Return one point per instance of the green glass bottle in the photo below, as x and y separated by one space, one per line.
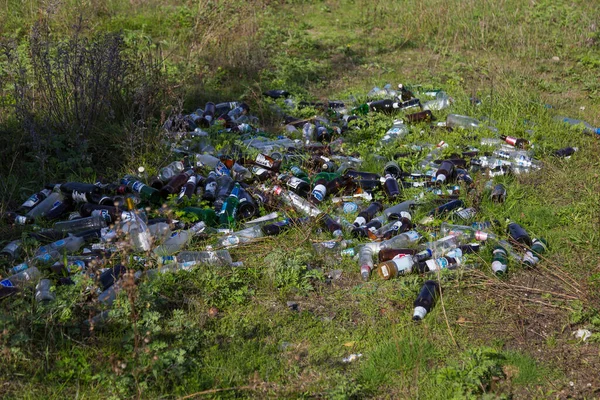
229 209
207 215
147 193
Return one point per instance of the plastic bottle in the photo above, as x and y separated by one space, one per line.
587 128
216 258
11 250
53 200
243 236
465 232
22 279
69 244
441 101
396 132
178 240
426 300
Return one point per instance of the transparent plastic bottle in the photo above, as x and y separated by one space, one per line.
396 132
441 101
69 244
465 232
54 199
587 128
216 258
22 279
243 236
179 240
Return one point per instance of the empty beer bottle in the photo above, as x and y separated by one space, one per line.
229 209
188 189
368 213
392 168
224 187
178 240
421 116
247 207
175 183
207 215
210 188
532 256
518 234
426 300
395 267
517 142
139 235
207 116
565 152
390 186
499 260
445 172
319 191
82 192
332 226
146 192
498 194
18 216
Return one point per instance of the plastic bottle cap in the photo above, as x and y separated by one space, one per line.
419 313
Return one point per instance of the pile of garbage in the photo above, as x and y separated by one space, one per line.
264 185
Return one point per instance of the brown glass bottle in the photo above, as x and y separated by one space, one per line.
175 183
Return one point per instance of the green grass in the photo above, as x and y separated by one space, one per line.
486 339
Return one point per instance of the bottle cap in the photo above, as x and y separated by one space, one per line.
419 313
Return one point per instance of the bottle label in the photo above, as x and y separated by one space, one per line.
319 192
18 268
405 215
137 186
360 221
294 182
259 171
6 283
328 245
59 243
11 247
103 214
20 220
530 259
431 265
211 187
466 213
232 240
385 271
442 262
221 169
481 236
413 236
511 140
79 197
31 201
261 159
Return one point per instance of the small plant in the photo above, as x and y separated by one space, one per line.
473 374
